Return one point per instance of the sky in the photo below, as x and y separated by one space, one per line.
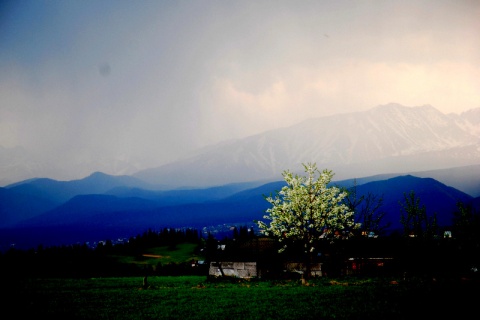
126 85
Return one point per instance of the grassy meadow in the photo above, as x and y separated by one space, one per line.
183 252
200 297
48 284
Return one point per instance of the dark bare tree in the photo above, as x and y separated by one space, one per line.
414 218
368 211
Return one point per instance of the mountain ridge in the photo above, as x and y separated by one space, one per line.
30 198
222 183
389 137
93 216
403 130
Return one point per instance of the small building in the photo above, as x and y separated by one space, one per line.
257 258
244 270
252 269
368 265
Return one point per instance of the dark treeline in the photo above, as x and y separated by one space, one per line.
81 260
434 258
420 249
150 238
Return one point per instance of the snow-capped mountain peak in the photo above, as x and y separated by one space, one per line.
387 138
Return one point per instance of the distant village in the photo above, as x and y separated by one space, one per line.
220 231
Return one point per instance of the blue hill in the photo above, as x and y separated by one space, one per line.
97 216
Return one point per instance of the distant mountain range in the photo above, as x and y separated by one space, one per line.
387 150
121 208
30 198
385 139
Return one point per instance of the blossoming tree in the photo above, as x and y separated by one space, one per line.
307 210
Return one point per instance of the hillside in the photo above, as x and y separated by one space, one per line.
95 217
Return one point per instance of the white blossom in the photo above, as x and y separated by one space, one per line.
307 209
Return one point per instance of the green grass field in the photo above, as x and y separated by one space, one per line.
182 252
197 297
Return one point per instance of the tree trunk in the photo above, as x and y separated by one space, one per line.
308 267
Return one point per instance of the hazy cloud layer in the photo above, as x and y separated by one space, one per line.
145 82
